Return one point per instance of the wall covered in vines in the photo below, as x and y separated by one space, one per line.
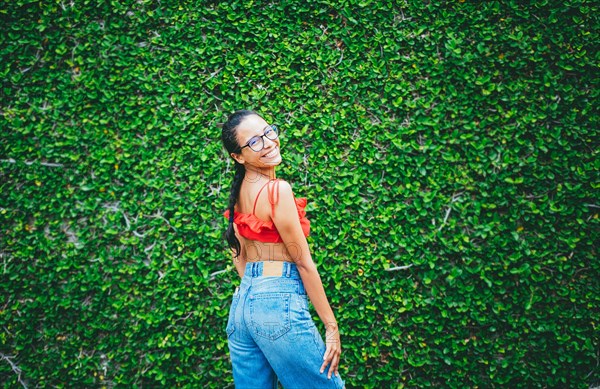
449 151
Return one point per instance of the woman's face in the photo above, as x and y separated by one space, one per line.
255 126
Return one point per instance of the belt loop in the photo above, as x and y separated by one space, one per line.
254 270
288 268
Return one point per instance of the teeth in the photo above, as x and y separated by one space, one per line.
271 154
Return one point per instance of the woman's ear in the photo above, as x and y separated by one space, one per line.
238 158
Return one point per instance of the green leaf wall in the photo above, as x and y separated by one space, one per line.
449 151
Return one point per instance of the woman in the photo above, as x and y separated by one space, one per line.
270 332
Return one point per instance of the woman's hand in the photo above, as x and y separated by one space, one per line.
333 350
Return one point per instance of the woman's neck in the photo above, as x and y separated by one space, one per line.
257 173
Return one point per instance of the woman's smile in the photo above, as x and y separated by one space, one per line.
271 154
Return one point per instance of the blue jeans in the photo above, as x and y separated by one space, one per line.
271 334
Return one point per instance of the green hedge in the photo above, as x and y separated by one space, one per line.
449 151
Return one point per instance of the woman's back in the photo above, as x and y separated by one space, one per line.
254 224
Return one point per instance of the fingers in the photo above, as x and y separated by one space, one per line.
333 369
331 358
325 362
332 351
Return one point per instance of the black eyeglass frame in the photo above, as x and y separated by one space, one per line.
270 126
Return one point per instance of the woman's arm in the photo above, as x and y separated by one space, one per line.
288 225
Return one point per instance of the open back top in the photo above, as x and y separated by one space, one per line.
251 227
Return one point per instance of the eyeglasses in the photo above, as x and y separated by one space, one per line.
257 143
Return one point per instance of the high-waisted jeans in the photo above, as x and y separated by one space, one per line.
271 334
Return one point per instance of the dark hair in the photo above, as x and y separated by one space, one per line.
230 141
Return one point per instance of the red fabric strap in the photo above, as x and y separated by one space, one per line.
271 194
274 197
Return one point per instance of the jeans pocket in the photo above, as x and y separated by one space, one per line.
270 314
231 320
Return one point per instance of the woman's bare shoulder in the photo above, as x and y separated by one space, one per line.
284 187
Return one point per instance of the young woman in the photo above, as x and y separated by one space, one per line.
270 332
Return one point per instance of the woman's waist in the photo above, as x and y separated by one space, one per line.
273 276
271 268
268 259
257 251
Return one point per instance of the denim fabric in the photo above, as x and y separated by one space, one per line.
271 334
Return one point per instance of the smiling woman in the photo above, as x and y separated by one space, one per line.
270 332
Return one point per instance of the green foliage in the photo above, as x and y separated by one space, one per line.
457 138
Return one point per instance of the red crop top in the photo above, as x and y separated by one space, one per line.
251 227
